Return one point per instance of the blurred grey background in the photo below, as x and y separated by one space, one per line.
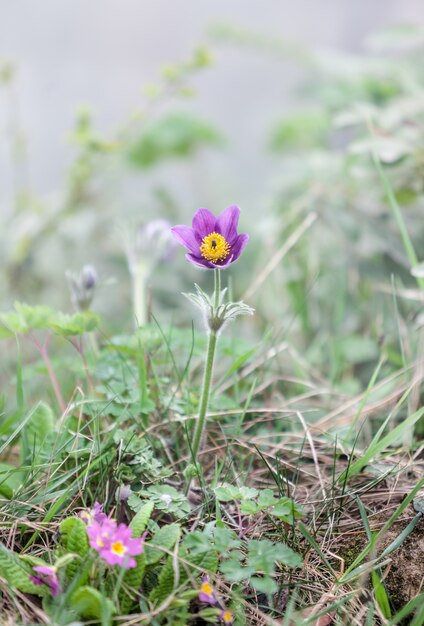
100 53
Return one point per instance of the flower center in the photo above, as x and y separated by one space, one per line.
214 247
118 548
207 589
227 617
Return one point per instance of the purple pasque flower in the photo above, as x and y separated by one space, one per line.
93 515
226 616
46 575
212 241
114 543
206 592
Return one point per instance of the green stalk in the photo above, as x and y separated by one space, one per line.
217 277
139 295
391 197
207 378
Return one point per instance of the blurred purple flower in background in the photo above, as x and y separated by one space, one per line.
227 617
212 242
46 575
82 287
152 244
206 592
93 515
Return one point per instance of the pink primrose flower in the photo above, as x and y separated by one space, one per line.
46 575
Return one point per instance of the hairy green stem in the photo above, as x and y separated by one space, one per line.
217 276
139 296
207 378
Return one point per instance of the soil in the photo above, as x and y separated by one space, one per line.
404 575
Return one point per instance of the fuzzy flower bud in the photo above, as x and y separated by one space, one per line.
82 287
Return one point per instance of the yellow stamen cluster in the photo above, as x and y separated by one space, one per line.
227 617
206 588
215 247
118 548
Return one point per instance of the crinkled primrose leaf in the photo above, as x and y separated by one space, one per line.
88 602
17 573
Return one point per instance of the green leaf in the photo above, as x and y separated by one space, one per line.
358 349
302 130
234 572
285 555
17 573
165 498
11 479
226 493
75 539
174 136
139 522
266 498
166 538
380 594
222 540
88 602
65 529
37 432
77 324
264 585
11 324
132 579
378 444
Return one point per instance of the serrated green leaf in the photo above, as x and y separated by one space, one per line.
166 538
37 433
287 556
264 585
75 539
35 317
139 522
132 579
11 324
77 324
17 573
225 493
65 529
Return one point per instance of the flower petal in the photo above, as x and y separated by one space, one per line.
224 264
239 244
204 222
186 237
195 260
227 223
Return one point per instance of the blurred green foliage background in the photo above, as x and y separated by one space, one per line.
326 254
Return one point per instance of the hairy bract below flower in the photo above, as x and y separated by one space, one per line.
212 242
46 575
